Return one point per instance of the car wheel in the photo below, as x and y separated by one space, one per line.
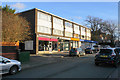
13 70
96 63
91 52
115 64
78 55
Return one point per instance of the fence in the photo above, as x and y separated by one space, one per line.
9 49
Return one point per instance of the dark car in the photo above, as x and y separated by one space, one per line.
88 51
118 50
109 56
96 48
76 52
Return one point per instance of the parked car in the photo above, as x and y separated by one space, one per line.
96 48
9 66
118 50
88 51
109 56
76 52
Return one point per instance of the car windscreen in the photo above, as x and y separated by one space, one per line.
88 48
73 49
105 51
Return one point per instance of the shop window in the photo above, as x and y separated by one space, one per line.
54 46
43 46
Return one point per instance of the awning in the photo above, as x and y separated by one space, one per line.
47 39
88 41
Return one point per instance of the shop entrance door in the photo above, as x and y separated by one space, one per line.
50 47
61 46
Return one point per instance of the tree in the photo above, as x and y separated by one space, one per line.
110 27
101 30
95 24
14 27
8 9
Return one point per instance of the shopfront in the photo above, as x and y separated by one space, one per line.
63 44
86 43
47 44
74 43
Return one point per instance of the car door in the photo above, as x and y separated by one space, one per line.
119 53
5 65
0 65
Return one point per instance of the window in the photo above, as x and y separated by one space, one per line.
105 51
57 32
76 27
44 29
69 34
54 46
57 21
43 45
68 24
44 16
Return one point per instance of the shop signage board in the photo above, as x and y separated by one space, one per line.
75 39
65 38
47 39
40 35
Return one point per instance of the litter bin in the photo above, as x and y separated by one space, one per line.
24 56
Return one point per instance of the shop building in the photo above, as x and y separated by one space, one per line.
52 33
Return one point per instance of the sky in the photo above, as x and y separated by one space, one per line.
73 11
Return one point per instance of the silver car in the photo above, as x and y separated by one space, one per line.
9 66
76 52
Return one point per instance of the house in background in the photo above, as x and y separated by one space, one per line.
51 33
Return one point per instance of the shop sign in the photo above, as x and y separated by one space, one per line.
47 39
75 39
39 35
81 40
65 38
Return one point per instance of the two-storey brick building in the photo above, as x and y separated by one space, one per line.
52 33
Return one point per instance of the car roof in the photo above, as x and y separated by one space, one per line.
109 48
117 47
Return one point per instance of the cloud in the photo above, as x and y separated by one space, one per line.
75 18
18 6
78 17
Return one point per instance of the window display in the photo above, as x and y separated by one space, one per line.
43 46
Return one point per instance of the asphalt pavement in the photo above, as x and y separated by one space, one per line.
69 67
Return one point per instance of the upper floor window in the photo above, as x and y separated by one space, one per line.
82 29
76 27
68 24
44 16
57 21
